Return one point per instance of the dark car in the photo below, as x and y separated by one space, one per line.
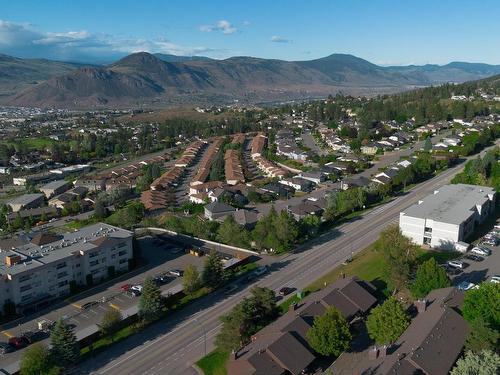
6 348
473 257
88 305
286 291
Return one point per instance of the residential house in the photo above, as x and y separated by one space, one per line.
298 183
216 210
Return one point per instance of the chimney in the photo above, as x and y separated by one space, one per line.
421 305
383 351
373 353
10 260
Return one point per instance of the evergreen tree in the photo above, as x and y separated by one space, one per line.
151 302
213 273
99 209
481 337
65 349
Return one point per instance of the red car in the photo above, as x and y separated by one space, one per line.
19 342
125 287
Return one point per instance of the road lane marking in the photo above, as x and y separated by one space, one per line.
76 305
115 306
8 334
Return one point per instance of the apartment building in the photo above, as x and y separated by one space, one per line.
41 267
448 216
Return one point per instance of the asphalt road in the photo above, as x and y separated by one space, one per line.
173 345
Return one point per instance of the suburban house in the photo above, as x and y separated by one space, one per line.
448 216
281 348
279 190
298 183
369 149
26 201
316 177
216 210
348 183
246 218
304 209
430 345
154 200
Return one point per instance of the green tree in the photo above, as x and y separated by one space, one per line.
398 253
387 322
213 272
481 337
191 279
329 334
36 360
111 322
482 303
151 302
246 318
486 362
99 209
65 349
231 233
429 277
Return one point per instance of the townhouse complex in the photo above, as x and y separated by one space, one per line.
38 268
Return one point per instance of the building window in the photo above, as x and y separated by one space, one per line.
94 254
123 252
94 262
427 229
61 265
25 288
24 278
62 274
123 261
62 283
26 297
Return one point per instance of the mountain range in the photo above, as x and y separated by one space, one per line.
147 80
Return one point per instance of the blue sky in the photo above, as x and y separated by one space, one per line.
384 32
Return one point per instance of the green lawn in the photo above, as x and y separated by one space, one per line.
214 363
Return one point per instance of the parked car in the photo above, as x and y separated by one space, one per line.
456 264
474 257
19 342
285 291
466 285
137 288
88 305
482 251
490 242
260 271
176 273
125 287
495 279
6 348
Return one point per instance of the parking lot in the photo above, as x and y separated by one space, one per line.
85 311
477 266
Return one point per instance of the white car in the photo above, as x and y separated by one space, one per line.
455 264
481 251
495 279
466 285
137 288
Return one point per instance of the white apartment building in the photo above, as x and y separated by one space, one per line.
41 267
448 216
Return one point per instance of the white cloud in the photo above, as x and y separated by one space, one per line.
23 40
280 39
223 26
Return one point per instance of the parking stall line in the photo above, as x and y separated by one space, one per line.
8 334
115 306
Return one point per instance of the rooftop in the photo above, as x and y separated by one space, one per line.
451 204
44 248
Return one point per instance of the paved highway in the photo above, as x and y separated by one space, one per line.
173 345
